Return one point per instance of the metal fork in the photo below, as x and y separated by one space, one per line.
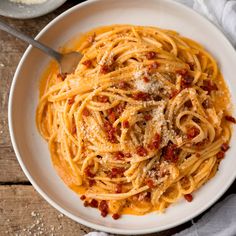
67 62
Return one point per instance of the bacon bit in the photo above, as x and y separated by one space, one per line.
230 119
148 196
146 79
116 171
105 69
197 120
206 104
118 130
71 100
112 117
153 66
62 76
128 155
184 180
83 197
150 183
224 147
209 86
202 143
125 124
141 151
88 172
87 63
151 55
107 126
111 136
182 72
119 108
186 82
198 154
155 143
191 65
110 130
188 104
147 117
170 153
86 203
94 203
104 213
188 197
91 182
73 128
103 207
123 85
85 112
119 155
103 99
141 96
118 188
109 111
116 216
192 132
174 92
220 155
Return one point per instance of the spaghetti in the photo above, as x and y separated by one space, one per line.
143 120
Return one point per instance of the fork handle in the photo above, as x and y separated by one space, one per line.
56 55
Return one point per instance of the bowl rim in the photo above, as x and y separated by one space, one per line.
44 194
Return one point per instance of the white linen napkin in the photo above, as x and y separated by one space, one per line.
221 12
220 220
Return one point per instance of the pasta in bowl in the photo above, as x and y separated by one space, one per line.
144 120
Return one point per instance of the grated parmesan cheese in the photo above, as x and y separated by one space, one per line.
148 87
161 124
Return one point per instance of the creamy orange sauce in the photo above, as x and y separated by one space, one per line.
77 44
223 97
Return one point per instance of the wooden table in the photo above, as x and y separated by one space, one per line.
22 209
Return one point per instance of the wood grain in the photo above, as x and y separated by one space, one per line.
9 167
22 210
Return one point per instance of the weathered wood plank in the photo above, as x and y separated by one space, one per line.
24 212
9 167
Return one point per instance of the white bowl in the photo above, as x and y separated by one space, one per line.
32 151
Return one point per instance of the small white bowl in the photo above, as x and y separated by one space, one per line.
32 151
26 11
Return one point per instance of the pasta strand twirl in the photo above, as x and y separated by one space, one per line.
140 123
